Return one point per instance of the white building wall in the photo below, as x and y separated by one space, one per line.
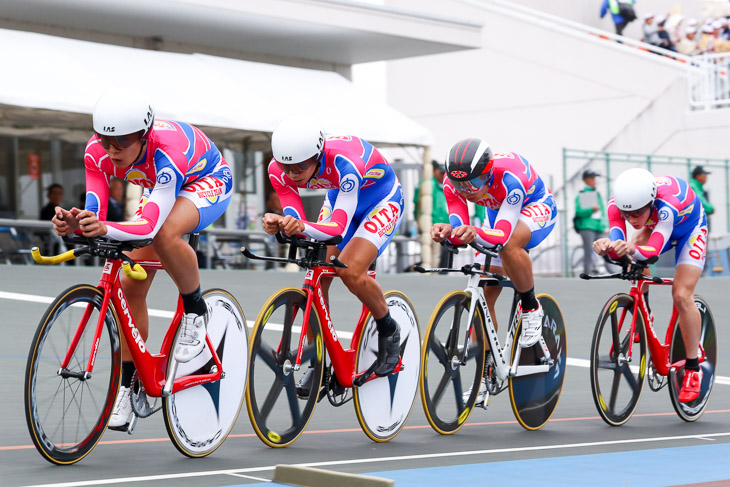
533 89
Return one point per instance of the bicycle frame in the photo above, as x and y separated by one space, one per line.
504 368
342 360
659 350
151 368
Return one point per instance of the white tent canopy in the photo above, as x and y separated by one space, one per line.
65 75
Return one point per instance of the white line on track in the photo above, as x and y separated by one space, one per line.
150 478
158 313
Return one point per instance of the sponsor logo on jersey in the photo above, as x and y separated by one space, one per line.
513 199
207 188
663 215
697 245
319 184
663 181
163 125
503 155
687 210
324 213
164 177
339 137
198 167
375 173
347 184
135 176
539 213
382 221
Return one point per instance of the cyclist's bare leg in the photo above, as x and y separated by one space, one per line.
515 259
177 257
358 255
683 290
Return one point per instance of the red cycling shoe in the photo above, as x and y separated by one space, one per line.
690 386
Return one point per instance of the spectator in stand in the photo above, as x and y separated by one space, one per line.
697 183
54 193
725 32
721 45
664 41
622 12
688 45
651 33
439 210
115 209
707 40
590 220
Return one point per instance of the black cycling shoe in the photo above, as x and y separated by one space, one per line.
305 385
388 353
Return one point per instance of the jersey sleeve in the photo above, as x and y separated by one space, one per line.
344 206
159 205
658 238
617 225
456 204
97 187
504 224
288 193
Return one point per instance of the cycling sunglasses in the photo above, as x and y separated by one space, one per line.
635 213
119 142
298 168
472 186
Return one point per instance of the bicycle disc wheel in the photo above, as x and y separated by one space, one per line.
615 382
67 413
691 411
534 397
383 404
199 419
448 373
277 413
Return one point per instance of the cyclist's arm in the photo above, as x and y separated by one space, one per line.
457 207
159 205
97 187
344 206
617 225
505 222
291 202
658 238
325 214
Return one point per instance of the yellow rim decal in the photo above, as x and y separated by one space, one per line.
643 365
274 437
464 414
613 307
603 404
319 348
268 314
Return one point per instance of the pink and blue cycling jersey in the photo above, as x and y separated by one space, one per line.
512 186
177 154
357 176
675 214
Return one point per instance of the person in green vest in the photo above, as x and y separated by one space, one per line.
697 182
439 210
590 219
622 12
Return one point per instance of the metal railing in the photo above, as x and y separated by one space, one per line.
709 81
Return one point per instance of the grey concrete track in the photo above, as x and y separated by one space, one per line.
334 434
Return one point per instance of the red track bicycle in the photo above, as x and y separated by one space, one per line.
288 341
619 362
74 364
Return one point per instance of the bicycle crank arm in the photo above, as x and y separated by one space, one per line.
132 424
368 375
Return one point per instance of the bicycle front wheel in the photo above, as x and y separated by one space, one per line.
199 419
618 360
67 410
534 397
453 363
279 413
383 404
691 411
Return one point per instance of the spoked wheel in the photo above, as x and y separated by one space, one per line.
616 382
453 362
278 414
534 397
200 418
66 411
691 411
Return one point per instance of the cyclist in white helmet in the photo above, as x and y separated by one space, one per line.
364 204
187 186
664 212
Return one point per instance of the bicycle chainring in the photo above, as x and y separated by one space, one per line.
656 381
337 395
140 401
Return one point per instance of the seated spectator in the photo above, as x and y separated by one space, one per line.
688 44
651 33
54 193
115 209
664 40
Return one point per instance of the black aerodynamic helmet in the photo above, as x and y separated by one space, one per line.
468 160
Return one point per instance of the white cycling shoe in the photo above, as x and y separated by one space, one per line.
122 413
192 336
482 397
531 327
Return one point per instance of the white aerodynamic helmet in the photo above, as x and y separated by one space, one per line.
634 189
123 112
296 139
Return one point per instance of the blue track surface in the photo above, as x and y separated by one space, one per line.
647 468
